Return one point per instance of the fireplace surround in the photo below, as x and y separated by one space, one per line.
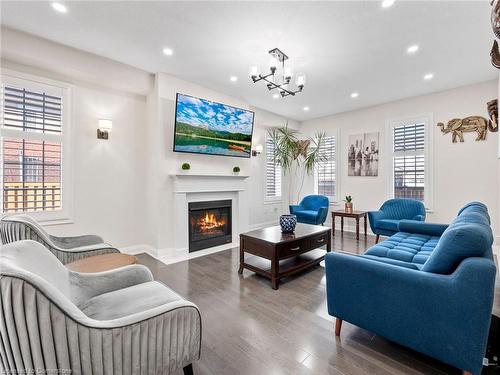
209 224
198 187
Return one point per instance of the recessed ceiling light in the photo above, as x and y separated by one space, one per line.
387 3
276 96
306 108
61 8
354 95
428 76
412 49
233 78
168 51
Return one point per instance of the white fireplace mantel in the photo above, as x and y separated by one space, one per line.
192 183
202 175
190 187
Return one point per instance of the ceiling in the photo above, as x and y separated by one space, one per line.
342 47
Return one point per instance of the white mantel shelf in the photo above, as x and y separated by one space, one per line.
204 182
205 175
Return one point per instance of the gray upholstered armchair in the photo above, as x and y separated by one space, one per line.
119 321
66 249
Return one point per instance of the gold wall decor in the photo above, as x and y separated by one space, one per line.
457 127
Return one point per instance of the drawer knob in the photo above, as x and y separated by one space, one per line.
295 248
321 240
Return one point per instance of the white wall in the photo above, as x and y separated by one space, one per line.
462 171
162 161
107 175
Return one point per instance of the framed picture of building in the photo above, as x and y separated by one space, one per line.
362 154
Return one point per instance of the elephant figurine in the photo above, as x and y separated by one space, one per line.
468 124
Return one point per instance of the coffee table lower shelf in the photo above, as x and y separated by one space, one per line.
287 267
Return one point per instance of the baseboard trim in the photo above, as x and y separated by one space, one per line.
352 229
170 255
139 249
263 225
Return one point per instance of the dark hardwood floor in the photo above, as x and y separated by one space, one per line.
250 329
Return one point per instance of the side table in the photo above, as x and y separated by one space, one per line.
354 214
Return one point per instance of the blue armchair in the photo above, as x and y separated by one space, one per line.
384 222
313 209
429 287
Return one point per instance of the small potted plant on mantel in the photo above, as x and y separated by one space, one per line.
185 167
236 170
348 204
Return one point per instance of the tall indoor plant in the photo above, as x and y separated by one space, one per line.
296 157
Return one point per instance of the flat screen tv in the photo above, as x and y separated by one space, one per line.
205 127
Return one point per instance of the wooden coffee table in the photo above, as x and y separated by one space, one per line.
354 214
277 254
100 263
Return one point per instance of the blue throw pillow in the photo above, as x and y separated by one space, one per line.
465 237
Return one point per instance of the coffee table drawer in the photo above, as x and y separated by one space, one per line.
318 241
293 248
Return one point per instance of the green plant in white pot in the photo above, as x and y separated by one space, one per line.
297 157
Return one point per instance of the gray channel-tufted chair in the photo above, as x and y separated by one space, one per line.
66 249
114 322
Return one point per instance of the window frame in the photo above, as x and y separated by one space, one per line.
65 214
336 198
275 199
428 120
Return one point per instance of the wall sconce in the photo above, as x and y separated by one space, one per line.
257 150
105 127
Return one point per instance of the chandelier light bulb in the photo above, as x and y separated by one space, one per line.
288 73
254 71
273 63
301 80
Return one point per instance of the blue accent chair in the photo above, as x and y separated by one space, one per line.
384 222
429 287
313 209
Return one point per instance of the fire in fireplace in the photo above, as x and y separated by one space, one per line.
209 224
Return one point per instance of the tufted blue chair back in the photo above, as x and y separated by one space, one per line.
468 235
314 202
399 209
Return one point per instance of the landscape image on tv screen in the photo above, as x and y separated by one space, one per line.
205 127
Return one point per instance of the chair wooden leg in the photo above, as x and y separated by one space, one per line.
338 326
188 370
377 238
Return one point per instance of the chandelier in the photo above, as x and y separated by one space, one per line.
279 79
